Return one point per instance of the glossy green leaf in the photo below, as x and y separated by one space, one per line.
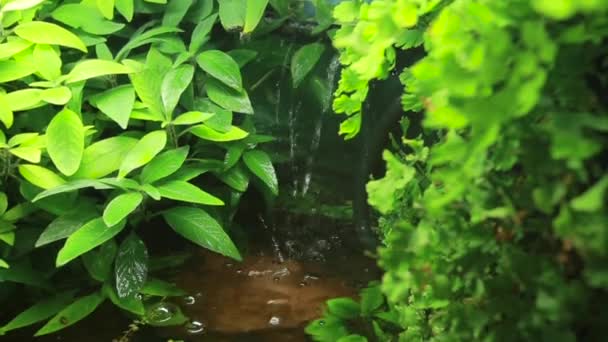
6 113
117 103
13 47
260 165
186 192
24 99
64 225
126 8
133 303
304 60
221 66
31 154
87 18
106 7
65 141
48 33
199 227
232 14
89 236
48 61
131 269
163 165
236 178
3 264
104 157
71 186
191 118
157 287
175 12
146 148
94 68
174 84
40 176
71 314
228 98
57 96
207 133
255 11
120 207
100 261
20 5
200 34
39 312
13 70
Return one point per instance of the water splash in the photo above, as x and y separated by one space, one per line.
275 242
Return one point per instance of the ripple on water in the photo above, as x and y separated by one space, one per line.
162 312
195 327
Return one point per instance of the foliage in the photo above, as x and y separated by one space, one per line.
494 217
113 112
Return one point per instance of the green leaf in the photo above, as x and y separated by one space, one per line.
89 236
117 103
66 224
120 207
104 157
186 192
13 70
3 203
151 191
200 34
371 299
304 60
207 133
31 154
125 8
352 338
106 7
94 68
191 118
20 5
39 312
133 304
260 164
163 165
48 33
99 262
255 11
228 98
85 17
236 178
232 14
131 266
199 227
3 264
65 141
73 313
592 199
57 96
174 84
382 191
175 12
221 66
13 47
24 99
48 61
345 308
242 56
143 152
40 177
6 114
71 186
157 287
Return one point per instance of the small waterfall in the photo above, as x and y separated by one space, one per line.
332 70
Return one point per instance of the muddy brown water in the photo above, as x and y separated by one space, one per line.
259 299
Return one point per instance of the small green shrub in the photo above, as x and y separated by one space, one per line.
494 219
114 113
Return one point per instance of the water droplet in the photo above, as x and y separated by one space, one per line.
276 279
239 271
162 312
321 322
195 327
139 296
189 300
228 264
274 321
303 284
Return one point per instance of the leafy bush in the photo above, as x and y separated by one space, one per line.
115 113
494 219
